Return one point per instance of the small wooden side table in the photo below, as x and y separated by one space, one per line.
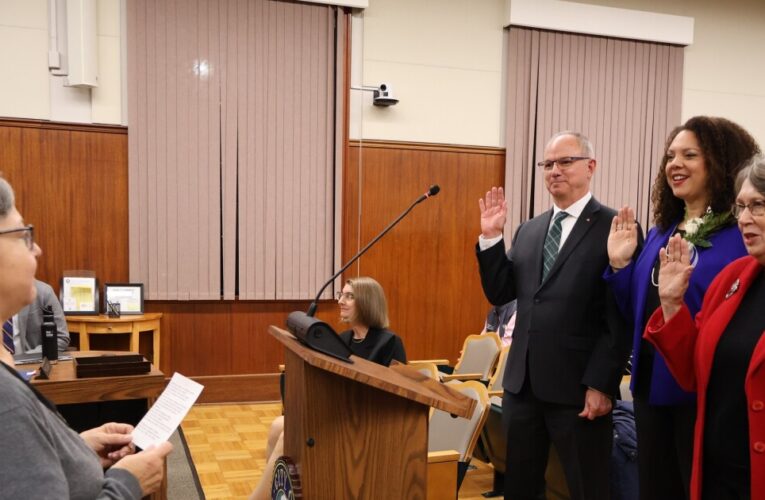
102 324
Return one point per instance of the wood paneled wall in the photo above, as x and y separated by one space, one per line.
427 263
71 182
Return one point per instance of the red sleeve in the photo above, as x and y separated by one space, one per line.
676 341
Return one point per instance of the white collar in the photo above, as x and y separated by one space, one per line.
576 208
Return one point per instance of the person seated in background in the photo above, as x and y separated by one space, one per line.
363 306
501 319
42 457
25 326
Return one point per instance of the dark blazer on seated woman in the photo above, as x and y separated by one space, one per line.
380 346
689 349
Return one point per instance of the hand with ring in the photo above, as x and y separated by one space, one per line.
674 275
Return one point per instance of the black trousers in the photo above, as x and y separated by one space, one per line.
665 449
584 447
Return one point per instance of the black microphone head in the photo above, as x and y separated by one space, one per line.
434 190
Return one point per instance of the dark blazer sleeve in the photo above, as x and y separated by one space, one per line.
497 272
398 352
611 351
388 347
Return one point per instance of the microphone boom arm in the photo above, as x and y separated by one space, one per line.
312 308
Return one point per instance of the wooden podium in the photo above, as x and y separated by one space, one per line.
359 430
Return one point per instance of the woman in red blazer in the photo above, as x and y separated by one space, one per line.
721 355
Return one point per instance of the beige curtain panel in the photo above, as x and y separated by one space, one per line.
232 145
624 95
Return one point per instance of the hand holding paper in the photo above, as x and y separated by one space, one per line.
168 412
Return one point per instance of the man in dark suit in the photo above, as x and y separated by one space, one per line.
29 321
570 342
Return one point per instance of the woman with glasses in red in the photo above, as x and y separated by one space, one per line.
692 195
41 456
720 353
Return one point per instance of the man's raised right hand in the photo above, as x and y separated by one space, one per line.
493 213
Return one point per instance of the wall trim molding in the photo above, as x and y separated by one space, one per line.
238 388
50 125
575 17
425 146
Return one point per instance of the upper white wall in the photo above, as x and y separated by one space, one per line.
442 58
28 90
444 61
724 72
571 17
24 58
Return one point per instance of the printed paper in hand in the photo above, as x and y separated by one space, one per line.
167 413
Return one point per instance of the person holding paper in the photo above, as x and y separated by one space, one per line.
41 456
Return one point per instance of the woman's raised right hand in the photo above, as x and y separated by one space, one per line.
674 275
622 240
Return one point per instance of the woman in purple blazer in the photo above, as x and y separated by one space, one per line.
692 195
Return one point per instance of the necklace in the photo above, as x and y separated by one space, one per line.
358 341
654 279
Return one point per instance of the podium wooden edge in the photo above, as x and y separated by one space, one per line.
400 380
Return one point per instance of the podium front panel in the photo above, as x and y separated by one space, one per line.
350 440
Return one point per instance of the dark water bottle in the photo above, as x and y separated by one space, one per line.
48 334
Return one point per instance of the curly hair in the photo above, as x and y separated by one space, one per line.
725 147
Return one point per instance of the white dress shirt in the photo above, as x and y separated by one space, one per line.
573 211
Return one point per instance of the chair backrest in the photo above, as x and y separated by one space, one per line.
495 382
479 354
624 388
446 432
430 370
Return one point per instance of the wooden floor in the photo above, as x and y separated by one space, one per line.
228 442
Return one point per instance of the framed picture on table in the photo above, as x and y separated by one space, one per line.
79 295
129 296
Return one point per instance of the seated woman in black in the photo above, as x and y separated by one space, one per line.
363 306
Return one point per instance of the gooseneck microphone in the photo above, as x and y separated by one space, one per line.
434 189
318 334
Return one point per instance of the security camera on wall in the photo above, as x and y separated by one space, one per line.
383 96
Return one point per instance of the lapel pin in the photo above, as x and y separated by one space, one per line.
733 289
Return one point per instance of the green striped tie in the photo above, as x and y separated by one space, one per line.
552 244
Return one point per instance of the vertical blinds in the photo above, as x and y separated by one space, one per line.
232 147
624 95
